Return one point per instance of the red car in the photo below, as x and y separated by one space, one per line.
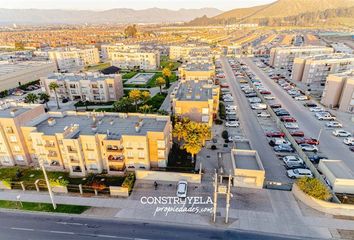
287 119
264 92
296 133
310 141
275 134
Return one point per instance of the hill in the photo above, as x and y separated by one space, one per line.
119 15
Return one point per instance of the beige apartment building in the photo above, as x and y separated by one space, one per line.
283 57
339 91
315 69
196 71
74 58
83 143
186 51
94 87
131 56
197 100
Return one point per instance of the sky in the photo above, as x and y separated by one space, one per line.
134 4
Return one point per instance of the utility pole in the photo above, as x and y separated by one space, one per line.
319 135
48 186
228 196
215 195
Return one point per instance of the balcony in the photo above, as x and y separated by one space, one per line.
119 158
114 148
116 168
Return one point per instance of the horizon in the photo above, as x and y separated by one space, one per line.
91 5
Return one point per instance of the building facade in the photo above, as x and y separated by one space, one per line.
196 71
94 87
339 91
197 100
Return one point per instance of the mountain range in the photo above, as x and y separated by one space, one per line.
115 16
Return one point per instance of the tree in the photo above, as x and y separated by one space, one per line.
135 96
192 145
53 86
178 131
122 105
205 132
145 95
130 31
31 98
44 97
166 73
314 187
160 81
145 108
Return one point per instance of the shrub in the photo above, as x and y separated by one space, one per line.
6 182
314 187
218 121
58 182
129 182
225 134
222 111
98 186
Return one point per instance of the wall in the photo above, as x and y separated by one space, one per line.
118 191
167 176
323 206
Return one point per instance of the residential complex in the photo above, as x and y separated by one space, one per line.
74 58
196 71
94 87
83 143
339 91
131 56
315 69
15 73
283 57
184 52
197 100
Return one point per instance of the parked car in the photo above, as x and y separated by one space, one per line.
232 124
297 133
263 114
255 100
308 147
316 158
275 134
293 160
275 105
351 149
326 117
334 125
231 107
299 173
265 92
291 125
283 148
182 187
278 141
349 141
311 141
65 100
259 106
316 109
310 105
230 112
341 133
287 119
251 94
282 112
301 98
269 97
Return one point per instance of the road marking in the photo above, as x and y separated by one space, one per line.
23 229
108 236
68 223
61 232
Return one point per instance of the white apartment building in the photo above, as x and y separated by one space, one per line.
315 69
131 56
74 58
94 87
184 52
283 57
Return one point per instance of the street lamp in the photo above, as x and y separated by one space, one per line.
48 186
319 135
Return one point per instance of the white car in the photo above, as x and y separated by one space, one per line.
228 99
259 106
269 97
341 133
334 125
292 160
349 141
230 112
231 107
316 109
326 117
232 124
255 100
263 114
182 187
299 173
308 147
291 125
301 98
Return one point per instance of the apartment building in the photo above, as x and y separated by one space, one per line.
13 141
184 52
196 71
94 87
74 58
83 143
315 69
131 56
197 100
339 91
283 57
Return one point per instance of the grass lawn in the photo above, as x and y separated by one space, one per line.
165 61
129 75
152 82
156 101
98 67
43 207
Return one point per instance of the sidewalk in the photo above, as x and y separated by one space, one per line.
262 210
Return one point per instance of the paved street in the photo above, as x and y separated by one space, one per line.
22 226
331 146
274 169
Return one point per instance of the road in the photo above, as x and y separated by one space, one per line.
26 226
274 169
330 146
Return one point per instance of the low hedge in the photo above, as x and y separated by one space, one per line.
314 187
129 182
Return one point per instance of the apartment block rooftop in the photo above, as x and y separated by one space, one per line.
198 66
195 90
113 125
80 76
330 57
300 48
9 67
11 111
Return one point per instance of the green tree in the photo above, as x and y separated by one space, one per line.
31 98
122 105
178 131
145 95
166 73
314 187
160 81
53 86
145 108
44 97
130 31
135 96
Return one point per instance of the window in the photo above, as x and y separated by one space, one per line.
130 154
141 154
5 159
19 158
205 111
161 153
91 156
161 144
13 139
17 148
9 130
